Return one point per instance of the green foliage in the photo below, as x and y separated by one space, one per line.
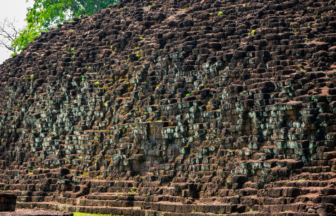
96 84
253 32
133 190
220 13
138 55
72 49
81 78
31 171
49 13
26 35
188 95
13 54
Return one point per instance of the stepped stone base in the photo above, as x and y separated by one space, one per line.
35 212
165 209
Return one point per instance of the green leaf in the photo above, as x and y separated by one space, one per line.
45 14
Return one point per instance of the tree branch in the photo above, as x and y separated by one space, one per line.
2 43
9 33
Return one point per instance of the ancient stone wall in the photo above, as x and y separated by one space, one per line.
173 107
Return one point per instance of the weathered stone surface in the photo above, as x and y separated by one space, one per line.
176 108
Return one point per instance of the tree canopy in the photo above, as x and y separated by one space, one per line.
48 13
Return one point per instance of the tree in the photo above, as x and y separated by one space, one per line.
8 33
48 13
26 35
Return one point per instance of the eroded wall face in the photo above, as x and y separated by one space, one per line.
222 106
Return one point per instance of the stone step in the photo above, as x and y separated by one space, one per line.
37 212
168 210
